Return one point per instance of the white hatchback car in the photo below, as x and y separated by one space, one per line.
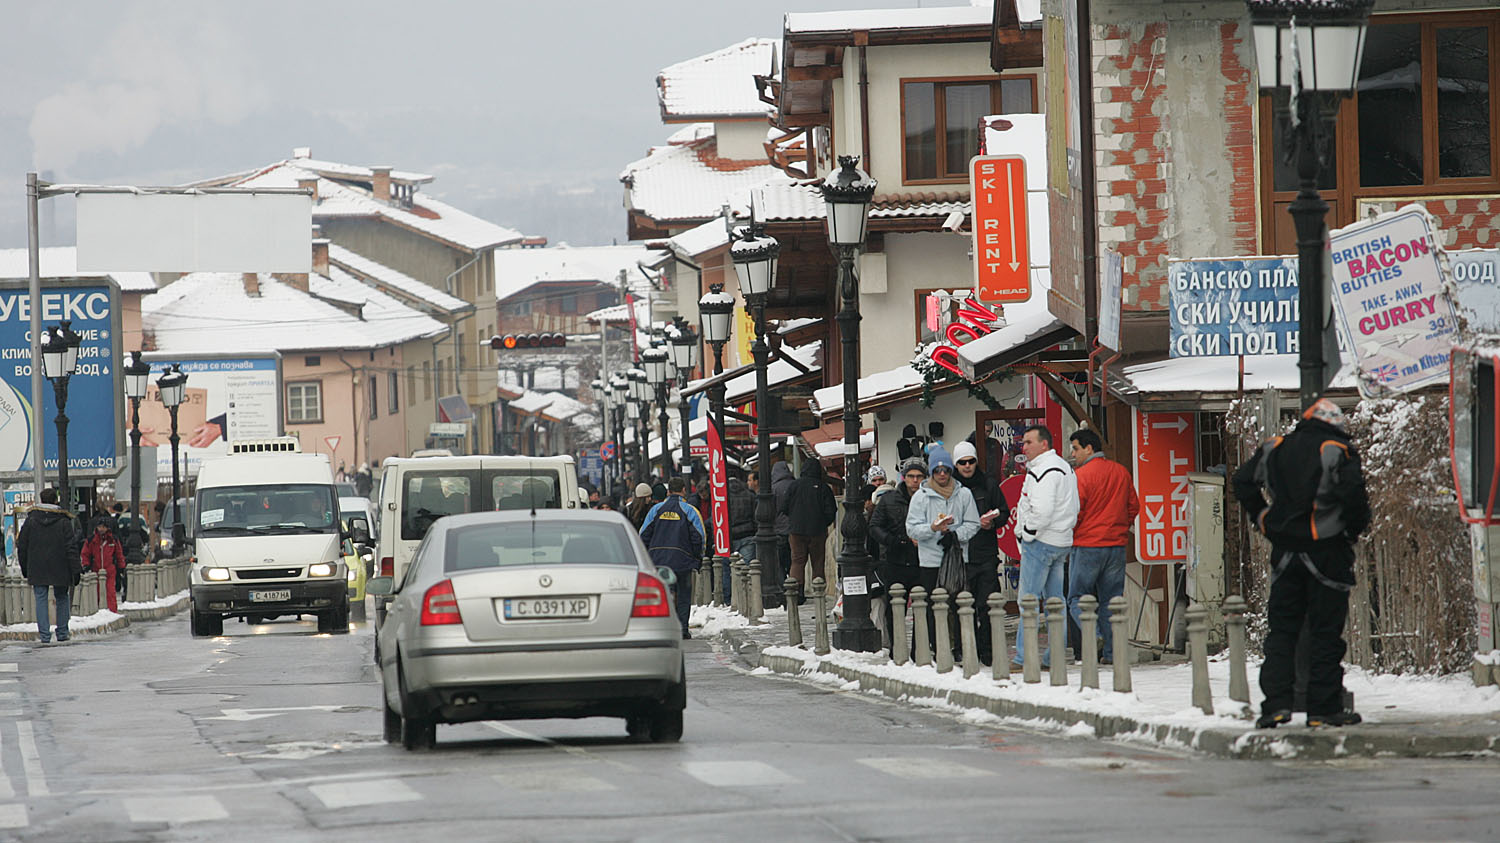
530 614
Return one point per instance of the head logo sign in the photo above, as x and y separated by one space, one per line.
1002 259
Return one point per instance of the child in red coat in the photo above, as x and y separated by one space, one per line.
104 553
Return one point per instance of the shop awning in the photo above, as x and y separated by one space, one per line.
1208 384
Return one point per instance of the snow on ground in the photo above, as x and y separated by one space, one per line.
103 617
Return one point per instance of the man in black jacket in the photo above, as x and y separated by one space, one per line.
810 510
1318 507
897 562
742 525
982 571
48 548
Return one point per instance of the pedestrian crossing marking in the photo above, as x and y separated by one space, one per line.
737 773
923 768
174 809
13 816
9 667
561 781
31 760
372 792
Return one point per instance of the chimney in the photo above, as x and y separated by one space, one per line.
309 184
320 256
380 183
252 284
297 280
301 152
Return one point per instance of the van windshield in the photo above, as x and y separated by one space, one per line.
427 496
273 508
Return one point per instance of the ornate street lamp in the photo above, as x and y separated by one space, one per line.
847 194
619 389
657 362
172 387
1313 48
596 389
640 393
137 377
754 256
59 362
684 350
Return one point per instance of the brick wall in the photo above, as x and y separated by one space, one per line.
1467 222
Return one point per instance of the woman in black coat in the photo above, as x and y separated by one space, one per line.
810 508
898 556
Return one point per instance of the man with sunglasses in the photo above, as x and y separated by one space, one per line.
982 573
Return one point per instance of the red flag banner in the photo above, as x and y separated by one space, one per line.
719 490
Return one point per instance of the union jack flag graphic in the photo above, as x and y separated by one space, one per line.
1385 373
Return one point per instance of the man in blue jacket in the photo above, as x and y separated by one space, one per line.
673 532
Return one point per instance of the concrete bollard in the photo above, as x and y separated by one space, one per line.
86 594
1031 665
793 614
999 649
736 585
10 591
900 647
966 638
1197 633
1088 625
148 572
1120 645
1234 622
1057 640
941 633
820 606
923 656
754 598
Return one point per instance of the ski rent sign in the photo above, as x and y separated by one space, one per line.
1002 257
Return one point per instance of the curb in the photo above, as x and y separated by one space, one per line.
156 613
128 616
1392 740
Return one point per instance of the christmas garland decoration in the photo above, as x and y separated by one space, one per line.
934 375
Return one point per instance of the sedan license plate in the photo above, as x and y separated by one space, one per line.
279 596
546 608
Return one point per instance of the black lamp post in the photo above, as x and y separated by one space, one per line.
172 386
137 378
847 195
754 256
59 362
1313 48
640 396
619 389
601 405
684 349
656 362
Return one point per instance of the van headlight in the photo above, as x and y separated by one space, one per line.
216 574
320 569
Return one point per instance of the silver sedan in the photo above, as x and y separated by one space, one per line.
526 614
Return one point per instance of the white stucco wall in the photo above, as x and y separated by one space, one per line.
742 140
913 261
954 409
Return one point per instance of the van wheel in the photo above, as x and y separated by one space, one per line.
204 625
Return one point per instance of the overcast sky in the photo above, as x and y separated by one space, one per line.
525 112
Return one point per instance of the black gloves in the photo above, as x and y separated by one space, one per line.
947 539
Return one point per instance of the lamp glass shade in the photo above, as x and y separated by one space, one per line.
754 258
1329 43
848 193
682 349
633 410
620 387
716 315
1330 55
70 359
136 383
52 361
846 223
171 394
654 361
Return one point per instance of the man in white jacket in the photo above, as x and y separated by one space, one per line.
1045 516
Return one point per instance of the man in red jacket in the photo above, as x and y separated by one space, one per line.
1106 507
104 553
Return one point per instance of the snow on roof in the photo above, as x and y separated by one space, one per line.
803 23
212 312
533 402
701 240
690 182
62 262
384 277
742 387
1221 374
518 269
835 447
718 84
789 200
1029 11
335 170
428 216
871 387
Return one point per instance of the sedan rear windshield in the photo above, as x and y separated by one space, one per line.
528 542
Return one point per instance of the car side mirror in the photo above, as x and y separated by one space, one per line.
360 533
346 548
381 586
667 575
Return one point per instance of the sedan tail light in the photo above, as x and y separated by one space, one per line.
651 599
388 566
440 606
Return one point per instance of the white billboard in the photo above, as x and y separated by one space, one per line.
226 398
194 232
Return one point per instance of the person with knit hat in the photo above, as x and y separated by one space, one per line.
982 573
941 512
1317 509
896 556
1045 517
639 505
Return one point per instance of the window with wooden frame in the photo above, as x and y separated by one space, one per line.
304 402
940 121
374 398
393 394
1422 122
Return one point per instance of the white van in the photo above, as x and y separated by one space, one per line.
416 491
267 540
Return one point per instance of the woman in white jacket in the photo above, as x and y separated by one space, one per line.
940 507
1045 516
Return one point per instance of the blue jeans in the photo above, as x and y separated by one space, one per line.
1042 575
64 597
1099 571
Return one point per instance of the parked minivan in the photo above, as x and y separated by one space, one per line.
416 491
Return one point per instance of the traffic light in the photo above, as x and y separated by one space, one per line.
511 342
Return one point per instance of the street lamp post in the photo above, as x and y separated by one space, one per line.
684 348
596 388
716 314
1313 48
640 395
656 362
59 362
619 389
847 195
172 386
754 256
137 378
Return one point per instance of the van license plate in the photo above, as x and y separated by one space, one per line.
280 596
546 608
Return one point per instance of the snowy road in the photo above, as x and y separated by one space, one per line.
273 733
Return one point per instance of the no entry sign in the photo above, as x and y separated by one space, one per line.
1002 257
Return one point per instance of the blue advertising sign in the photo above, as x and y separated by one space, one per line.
96 431
1474 273
592 467
1233 306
